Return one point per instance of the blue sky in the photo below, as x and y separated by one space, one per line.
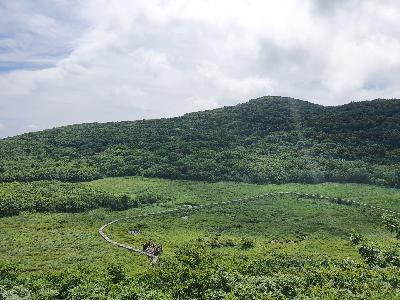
65 62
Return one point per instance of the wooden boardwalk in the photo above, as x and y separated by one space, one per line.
186 208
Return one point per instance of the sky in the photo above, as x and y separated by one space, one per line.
75 61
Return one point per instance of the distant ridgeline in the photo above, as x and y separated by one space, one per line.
266 140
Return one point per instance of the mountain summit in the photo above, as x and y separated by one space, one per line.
265 140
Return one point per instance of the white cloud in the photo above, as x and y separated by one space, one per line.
81 61
33 127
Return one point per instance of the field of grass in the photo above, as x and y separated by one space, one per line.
42 242
183 192
272 223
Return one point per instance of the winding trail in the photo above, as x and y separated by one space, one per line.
200 206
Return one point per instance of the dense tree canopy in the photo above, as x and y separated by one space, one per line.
266 140
53 196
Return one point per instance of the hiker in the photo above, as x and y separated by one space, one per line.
146 245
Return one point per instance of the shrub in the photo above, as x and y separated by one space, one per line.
247 243
355 238
392 224
150 197
116 273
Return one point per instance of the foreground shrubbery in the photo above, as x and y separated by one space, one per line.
53 196
196 272
375 255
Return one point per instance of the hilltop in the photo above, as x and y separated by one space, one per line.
265 140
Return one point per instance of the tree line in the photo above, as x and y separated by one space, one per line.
56 196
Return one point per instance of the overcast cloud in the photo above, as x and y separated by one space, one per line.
64 62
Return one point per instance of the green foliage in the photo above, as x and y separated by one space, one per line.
392 224
116 273
300 245
196 272
150 197
267 140
53 196
355 238
7 272
217 241
373 254
247 243
285 222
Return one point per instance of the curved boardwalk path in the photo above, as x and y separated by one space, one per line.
185 208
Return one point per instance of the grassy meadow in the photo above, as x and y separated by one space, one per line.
42 242
271 247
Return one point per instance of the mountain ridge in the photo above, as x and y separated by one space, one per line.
267 140
215 109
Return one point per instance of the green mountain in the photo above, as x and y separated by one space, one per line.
266 140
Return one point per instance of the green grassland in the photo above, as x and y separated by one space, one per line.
38 244
291 223
186 192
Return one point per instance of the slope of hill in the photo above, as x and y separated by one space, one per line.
266 140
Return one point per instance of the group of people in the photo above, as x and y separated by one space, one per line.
152 248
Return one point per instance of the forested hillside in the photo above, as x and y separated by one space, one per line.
266 140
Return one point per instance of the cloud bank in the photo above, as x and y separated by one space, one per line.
69 61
